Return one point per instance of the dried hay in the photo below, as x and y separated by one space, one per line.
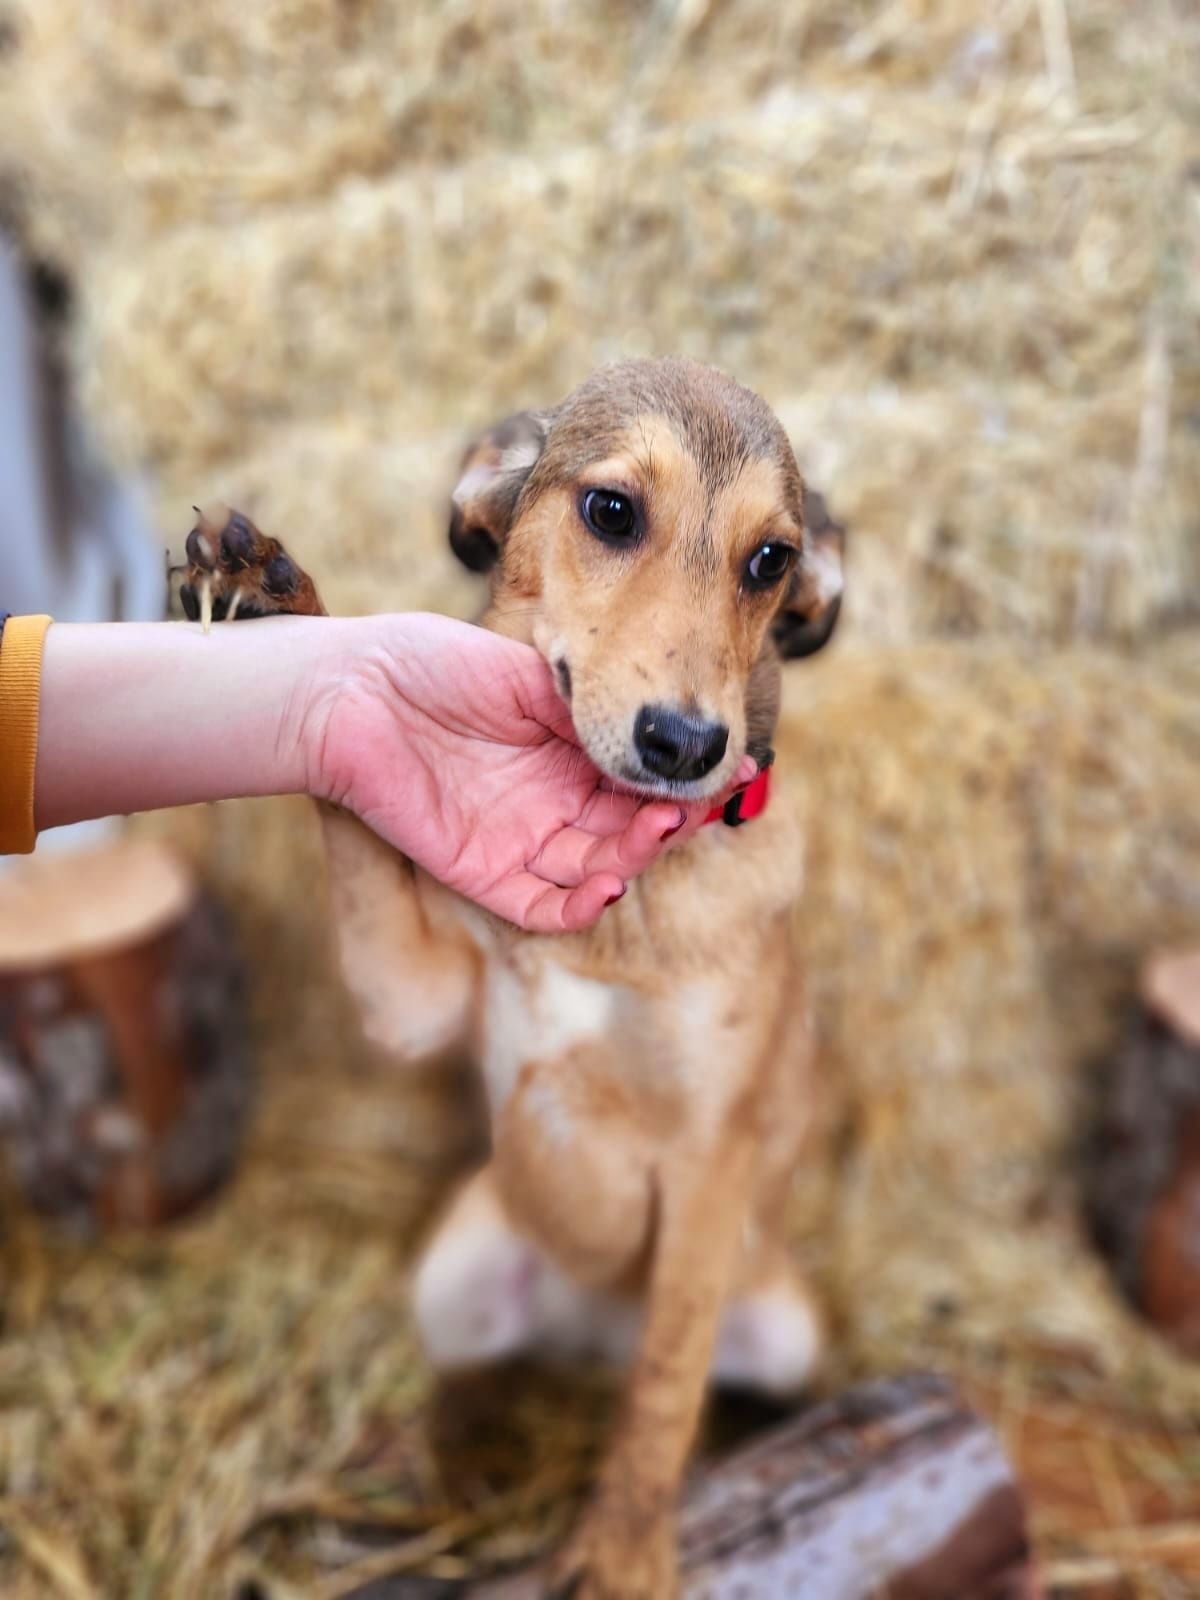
316 242
972 937
953 251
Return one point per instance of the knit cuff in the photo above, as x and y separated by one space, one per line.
20 688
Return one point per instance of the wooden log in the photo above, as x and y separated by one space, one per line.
1143 1156
892 1491
124 1078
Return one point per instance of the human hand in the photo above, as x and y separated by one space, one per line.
450 742
453 745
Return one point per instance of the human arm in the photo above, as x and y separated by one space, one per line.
449 742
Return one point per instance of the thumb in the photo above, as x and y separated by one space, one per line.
540 700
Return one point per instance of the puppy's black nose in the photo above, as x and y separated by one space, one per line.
674 745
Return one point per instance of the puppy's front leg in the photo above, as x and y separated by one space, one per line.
414 982
625 1548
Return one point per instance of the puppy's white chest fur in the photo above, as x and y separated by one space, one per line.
539 1016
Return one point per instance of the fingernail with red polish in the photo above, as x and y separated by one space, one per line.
675 829
613 898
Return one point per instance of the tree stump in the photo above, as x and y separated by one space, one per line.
892 1491
124 1078
1143 1157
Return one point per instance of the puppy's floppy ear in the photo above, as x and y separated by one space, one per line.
490 480
814 598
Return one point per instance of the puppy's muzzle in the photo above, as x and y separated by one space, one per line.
672 744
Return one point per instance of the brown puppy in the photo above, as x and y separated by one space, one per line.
648 1080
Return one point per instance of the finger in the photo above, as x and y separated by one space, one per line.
747 771
651 819
744 775
572 854
608 811
541 907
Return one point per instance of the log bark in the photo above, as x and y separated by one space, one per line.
1142 1168
893 1491
124 1078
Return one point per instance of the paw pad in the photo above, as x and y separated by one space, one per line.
234 571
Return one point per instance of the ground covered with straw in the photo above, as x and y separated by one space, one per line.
956 247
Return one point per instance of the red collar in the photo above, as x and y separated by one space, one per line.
746 804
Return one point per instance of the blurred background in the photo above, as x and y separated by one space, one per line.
289 255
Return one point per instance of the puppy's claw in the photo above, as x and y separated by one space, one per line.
201 551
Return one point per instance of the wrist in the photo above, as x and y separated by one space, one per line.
353 661
137 716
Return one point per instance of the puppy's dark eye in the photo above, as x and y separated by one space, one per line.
610 515
767 565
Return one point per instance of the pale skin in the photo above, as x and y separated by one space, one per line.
451 743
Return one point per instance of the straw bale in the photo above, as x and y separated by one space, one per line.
952 252
993 841
400 301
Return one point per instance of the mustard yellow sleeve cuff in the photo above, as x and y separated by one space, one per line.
20 689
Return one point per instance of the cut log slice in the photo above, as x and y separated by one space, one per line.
1142 1170
124 1074
893 1491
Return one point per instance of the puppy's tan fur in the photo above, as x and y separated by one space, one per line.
648 1080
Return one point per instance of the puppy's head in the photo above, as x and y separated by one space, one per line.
652 537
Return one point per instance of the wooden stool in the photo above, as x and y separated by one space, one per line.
124 1074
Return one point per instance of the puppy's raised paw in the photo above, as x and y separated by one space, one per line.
235 572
